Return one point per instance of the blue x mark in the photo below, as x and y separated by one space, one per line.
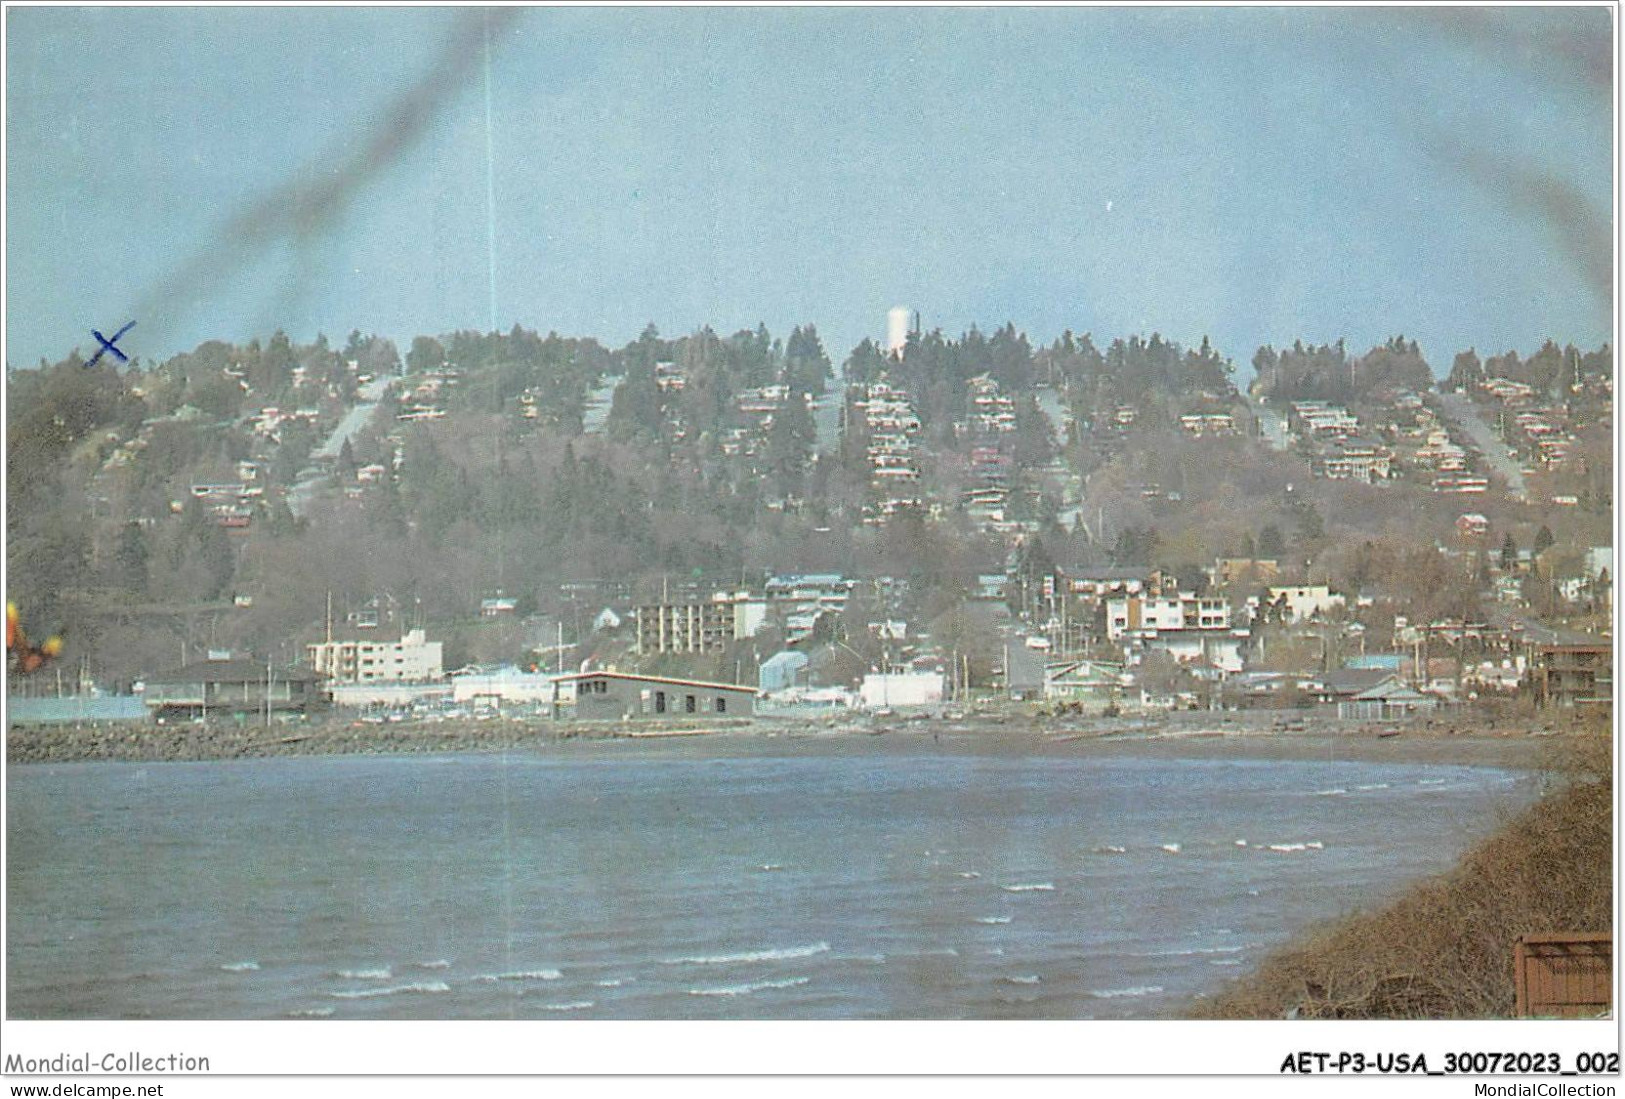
107 345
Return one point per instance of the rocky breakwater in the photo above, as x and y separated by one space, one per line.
141 742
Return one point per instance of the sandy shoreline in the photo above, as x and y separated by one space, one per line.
1248 736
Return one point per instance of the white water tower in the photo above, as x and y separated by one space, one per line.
897 329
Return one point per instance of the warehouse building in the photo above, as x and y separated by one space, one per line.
617 696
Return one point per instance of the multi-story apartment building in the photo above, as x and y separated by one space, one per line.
413 657
698 627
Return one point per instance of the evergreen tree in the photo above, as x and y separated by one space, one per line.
790 440
130 559
425 355
1271 543
1465 372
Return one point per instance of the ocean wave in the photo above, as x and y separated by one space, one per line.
393 990
770 955
747 989
1195 951
240 967
310 1013
575 1005
364 974
1329 793
1110 849
992 919
1241 843
522 975
1171 848
1030 887
969 874
1115 993
1029 979
1312 845
768 867
1373 786
1432 782
608 984
438 963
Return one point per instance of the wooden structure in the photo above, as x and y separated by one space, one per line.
231 687
1564 975
1573 675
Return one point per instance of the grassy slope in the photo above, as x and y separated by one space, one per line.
1444 949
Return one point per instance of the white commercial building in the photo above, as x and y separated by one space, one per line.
504 685
884 691
411 658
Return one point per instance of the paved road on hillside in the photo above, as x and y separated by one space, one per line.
300 495
1467 416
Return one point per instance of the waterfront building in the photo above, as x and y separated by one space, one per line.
412 658
621 696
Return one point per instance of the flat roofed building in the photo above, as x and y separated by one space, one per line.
698 627
225 687
412 658
619 696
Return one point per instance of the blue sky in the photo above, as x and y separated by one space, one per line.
1256 175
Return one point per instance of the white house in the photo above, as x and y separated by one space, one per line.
1307 601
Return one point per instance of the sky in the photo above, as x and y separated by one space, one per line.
1255 175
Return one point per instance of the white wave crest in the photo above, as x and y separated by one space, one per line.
364 974
1110 849
969 874
1171 848
1194 951
747 989
1030 979
1373 786
1031 887
575 1005
522 975
1114 993
438 963
310 1013
1329 793
393 990
771 955
240 967
992 919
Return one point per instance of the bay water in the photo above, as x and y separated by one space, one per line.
653 881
